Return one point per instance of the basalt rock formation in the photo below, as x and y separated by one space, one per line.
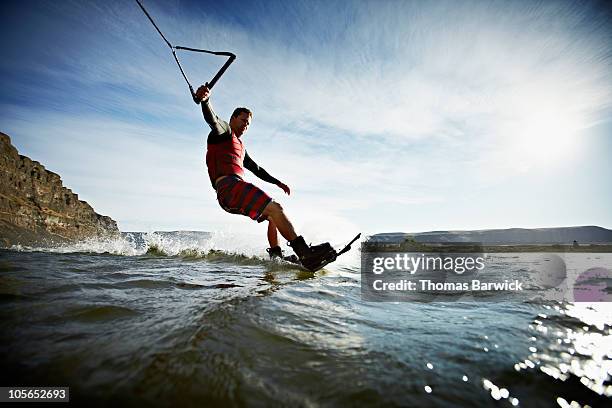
35 208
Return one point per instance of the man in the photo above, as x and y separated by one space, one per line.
226 159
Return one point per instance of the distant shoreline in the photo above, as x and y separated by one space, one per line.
475 247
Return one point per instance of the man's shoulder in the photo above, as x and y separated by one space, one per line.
225 126
216 137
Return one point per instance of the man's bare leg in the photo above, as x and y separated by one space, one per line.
272 234
274 212
311 258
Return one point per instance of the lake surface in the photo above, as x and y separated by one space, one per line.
160 319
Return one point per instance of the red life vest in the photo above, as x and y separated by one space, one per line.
225 158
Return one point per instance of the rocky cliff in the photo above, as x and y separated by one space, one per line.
36 208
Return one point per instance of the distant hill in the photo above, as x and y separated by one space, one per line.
36 208
511 236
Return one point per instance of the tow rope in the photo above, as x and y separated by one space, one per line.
213 81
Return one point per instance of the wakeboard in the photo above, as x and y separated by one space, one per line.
328 258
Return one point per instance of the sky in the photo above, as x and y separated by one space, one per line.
381 116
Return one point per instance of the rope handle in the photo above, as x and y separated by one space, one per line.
219 73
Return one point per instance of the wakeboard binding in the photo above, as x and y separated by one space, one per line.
315 257
277 253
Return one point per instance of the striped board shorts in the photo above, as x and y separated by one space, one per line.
236 196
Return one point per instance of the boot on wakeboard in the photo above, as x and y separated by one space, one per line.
277 253
313 257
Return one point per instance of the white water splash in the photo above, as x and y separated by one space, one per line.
168 243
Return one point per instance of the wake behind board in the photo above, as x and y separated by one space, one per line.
328 258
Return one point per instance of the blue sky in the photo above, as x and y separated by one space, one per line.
381 116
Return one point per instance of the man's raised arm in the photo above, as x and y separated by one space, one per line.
203 94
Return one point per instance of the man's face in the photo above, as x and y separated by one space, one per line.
240 123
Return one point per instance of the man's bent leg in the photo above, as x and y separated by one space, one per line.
274 251
274 212
310 258
272 234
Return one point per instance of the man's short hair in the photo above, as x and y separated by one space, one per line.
239 111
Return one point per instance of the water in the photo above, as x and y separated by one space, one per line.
159 319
